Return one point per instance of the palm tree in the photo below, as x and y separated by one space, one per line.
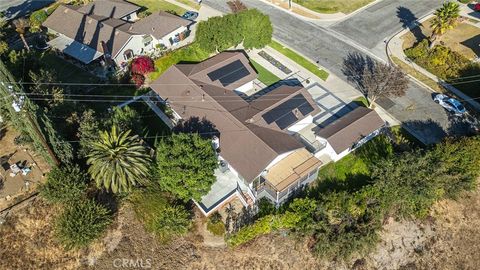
21 27
118 161
446 18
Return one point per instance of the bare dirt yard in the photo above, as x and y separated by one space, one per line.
448 239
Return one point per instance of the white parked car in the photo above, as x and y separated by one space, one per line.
450 104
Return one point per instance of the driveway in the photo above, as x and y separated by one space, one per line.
330 46
16 8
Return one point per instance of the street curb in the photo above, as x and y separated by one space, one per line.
339 19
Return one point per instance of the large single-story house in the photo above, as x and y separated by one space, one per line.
258 138
257 155
110 30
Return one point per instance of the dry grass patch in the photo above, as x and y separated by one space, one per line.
27 241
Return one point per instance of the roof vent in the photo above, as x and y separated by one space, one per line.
65 10
90 21
116 32
153 29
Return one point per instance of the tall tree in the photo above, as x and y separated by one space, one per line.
125 118
87 131
42 89
118 161
446 18
375 79
21 26
185 165
3 43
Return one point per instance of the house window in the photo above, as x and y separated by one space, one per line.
147 39
128 54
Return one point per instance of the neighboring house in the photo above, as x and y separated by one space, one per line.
349 132
258 157
108 30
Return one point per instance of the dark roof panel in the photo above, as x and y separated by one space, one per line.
286 120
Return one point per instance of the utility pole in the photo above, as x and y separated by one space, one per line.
21 104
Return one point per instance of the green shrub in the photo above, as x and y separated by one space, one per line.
217 228
262 226
448 65
251 27
65 184
36 19
81 223
265 207
159 216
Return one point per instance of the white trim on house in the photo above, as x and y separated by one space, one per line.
245 88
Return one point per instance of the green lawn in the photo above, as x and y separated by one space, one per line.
333 6
264 75
341 169
157 5
302 61
191 53
191 3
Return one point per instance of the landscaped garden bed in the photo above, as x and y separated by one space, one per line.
274 62
449 65
264 75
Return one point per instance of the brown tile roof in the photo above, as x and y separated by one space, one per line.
89 30
159 24
349 129
109 8
248 147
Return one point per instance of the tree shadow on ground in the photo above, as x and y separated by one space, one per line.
355 66
468 82
410 21
203 127
425 131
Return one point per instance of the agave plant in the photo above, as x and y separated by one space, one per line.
118 161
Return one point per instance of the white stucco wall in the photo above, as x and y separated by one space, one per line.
245 88
133 17
301 124
135 43
165 40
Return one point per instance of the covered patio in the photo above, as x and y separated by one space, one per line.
77 50
291 173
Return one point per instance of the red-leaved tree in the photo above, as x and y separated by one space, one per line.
138 79
142 65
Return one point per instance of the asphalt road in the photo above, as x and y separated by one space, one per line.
372 25
359 34
15 8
